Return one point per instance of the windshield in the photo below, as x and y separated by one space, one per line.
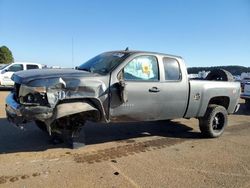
104 63
3 66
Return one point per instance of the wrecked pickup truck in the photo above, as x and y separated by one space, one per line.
119 86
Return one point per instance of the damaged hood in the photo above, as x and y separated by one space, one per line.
60 84
24 77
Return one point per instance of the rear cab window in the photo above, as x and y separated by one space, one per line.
171 69
29 66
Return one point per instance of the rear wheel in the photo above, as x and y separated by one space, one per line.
213 123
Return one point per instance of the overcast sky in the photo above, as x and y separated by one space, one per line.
203 32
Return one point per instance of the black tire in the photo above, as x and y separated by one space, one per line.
220 75
247 102
213 124
41 125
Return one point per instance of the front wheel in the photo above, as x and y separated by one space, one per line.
213 124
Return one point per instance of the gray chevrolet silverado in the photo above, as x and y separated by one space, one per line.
119 86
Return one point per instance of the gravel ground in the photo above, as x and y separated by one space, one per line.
147 154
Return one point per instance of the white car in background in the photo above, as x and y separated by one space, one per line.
7 71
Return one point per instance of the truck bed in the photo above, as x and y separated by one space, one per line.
202 92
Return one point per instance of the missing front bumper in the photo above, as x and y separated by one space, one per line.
13 112
20 114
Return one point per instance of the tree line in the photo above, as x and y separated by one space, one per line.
233 69
6 56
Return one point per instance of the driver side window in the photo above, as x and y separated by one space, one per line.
142 68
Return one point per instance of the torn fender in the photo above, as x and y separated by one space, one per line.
67 109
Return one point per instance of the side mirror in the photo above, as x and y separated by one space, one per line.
123 92
122 87
76 68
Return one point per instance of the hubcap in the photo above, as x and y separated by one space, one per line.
218 122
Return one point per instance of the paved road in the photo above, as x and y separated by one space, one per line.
152 154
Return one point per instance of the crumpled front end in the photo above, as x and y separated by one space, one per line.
37 100
19 114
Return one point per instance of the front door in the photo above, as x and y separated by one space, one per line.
141 76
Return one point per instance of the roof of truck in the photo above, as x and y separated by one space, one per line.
137 51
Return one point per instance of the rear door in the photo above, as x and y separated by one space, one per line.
173 97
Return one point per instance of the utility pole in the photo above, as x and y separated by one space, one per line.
72 51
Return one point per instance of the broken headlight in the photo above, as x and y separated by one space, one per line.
33 95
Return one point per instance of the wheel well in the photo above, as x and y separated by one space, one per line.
77 108
222 101
99 110
92 115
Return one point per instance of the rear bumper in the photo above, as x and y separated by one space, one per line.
19 114
237 108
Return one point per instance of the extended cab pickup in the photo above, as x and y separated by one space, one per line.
120 86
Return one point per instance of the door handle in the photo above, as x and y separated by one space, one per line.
154 90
